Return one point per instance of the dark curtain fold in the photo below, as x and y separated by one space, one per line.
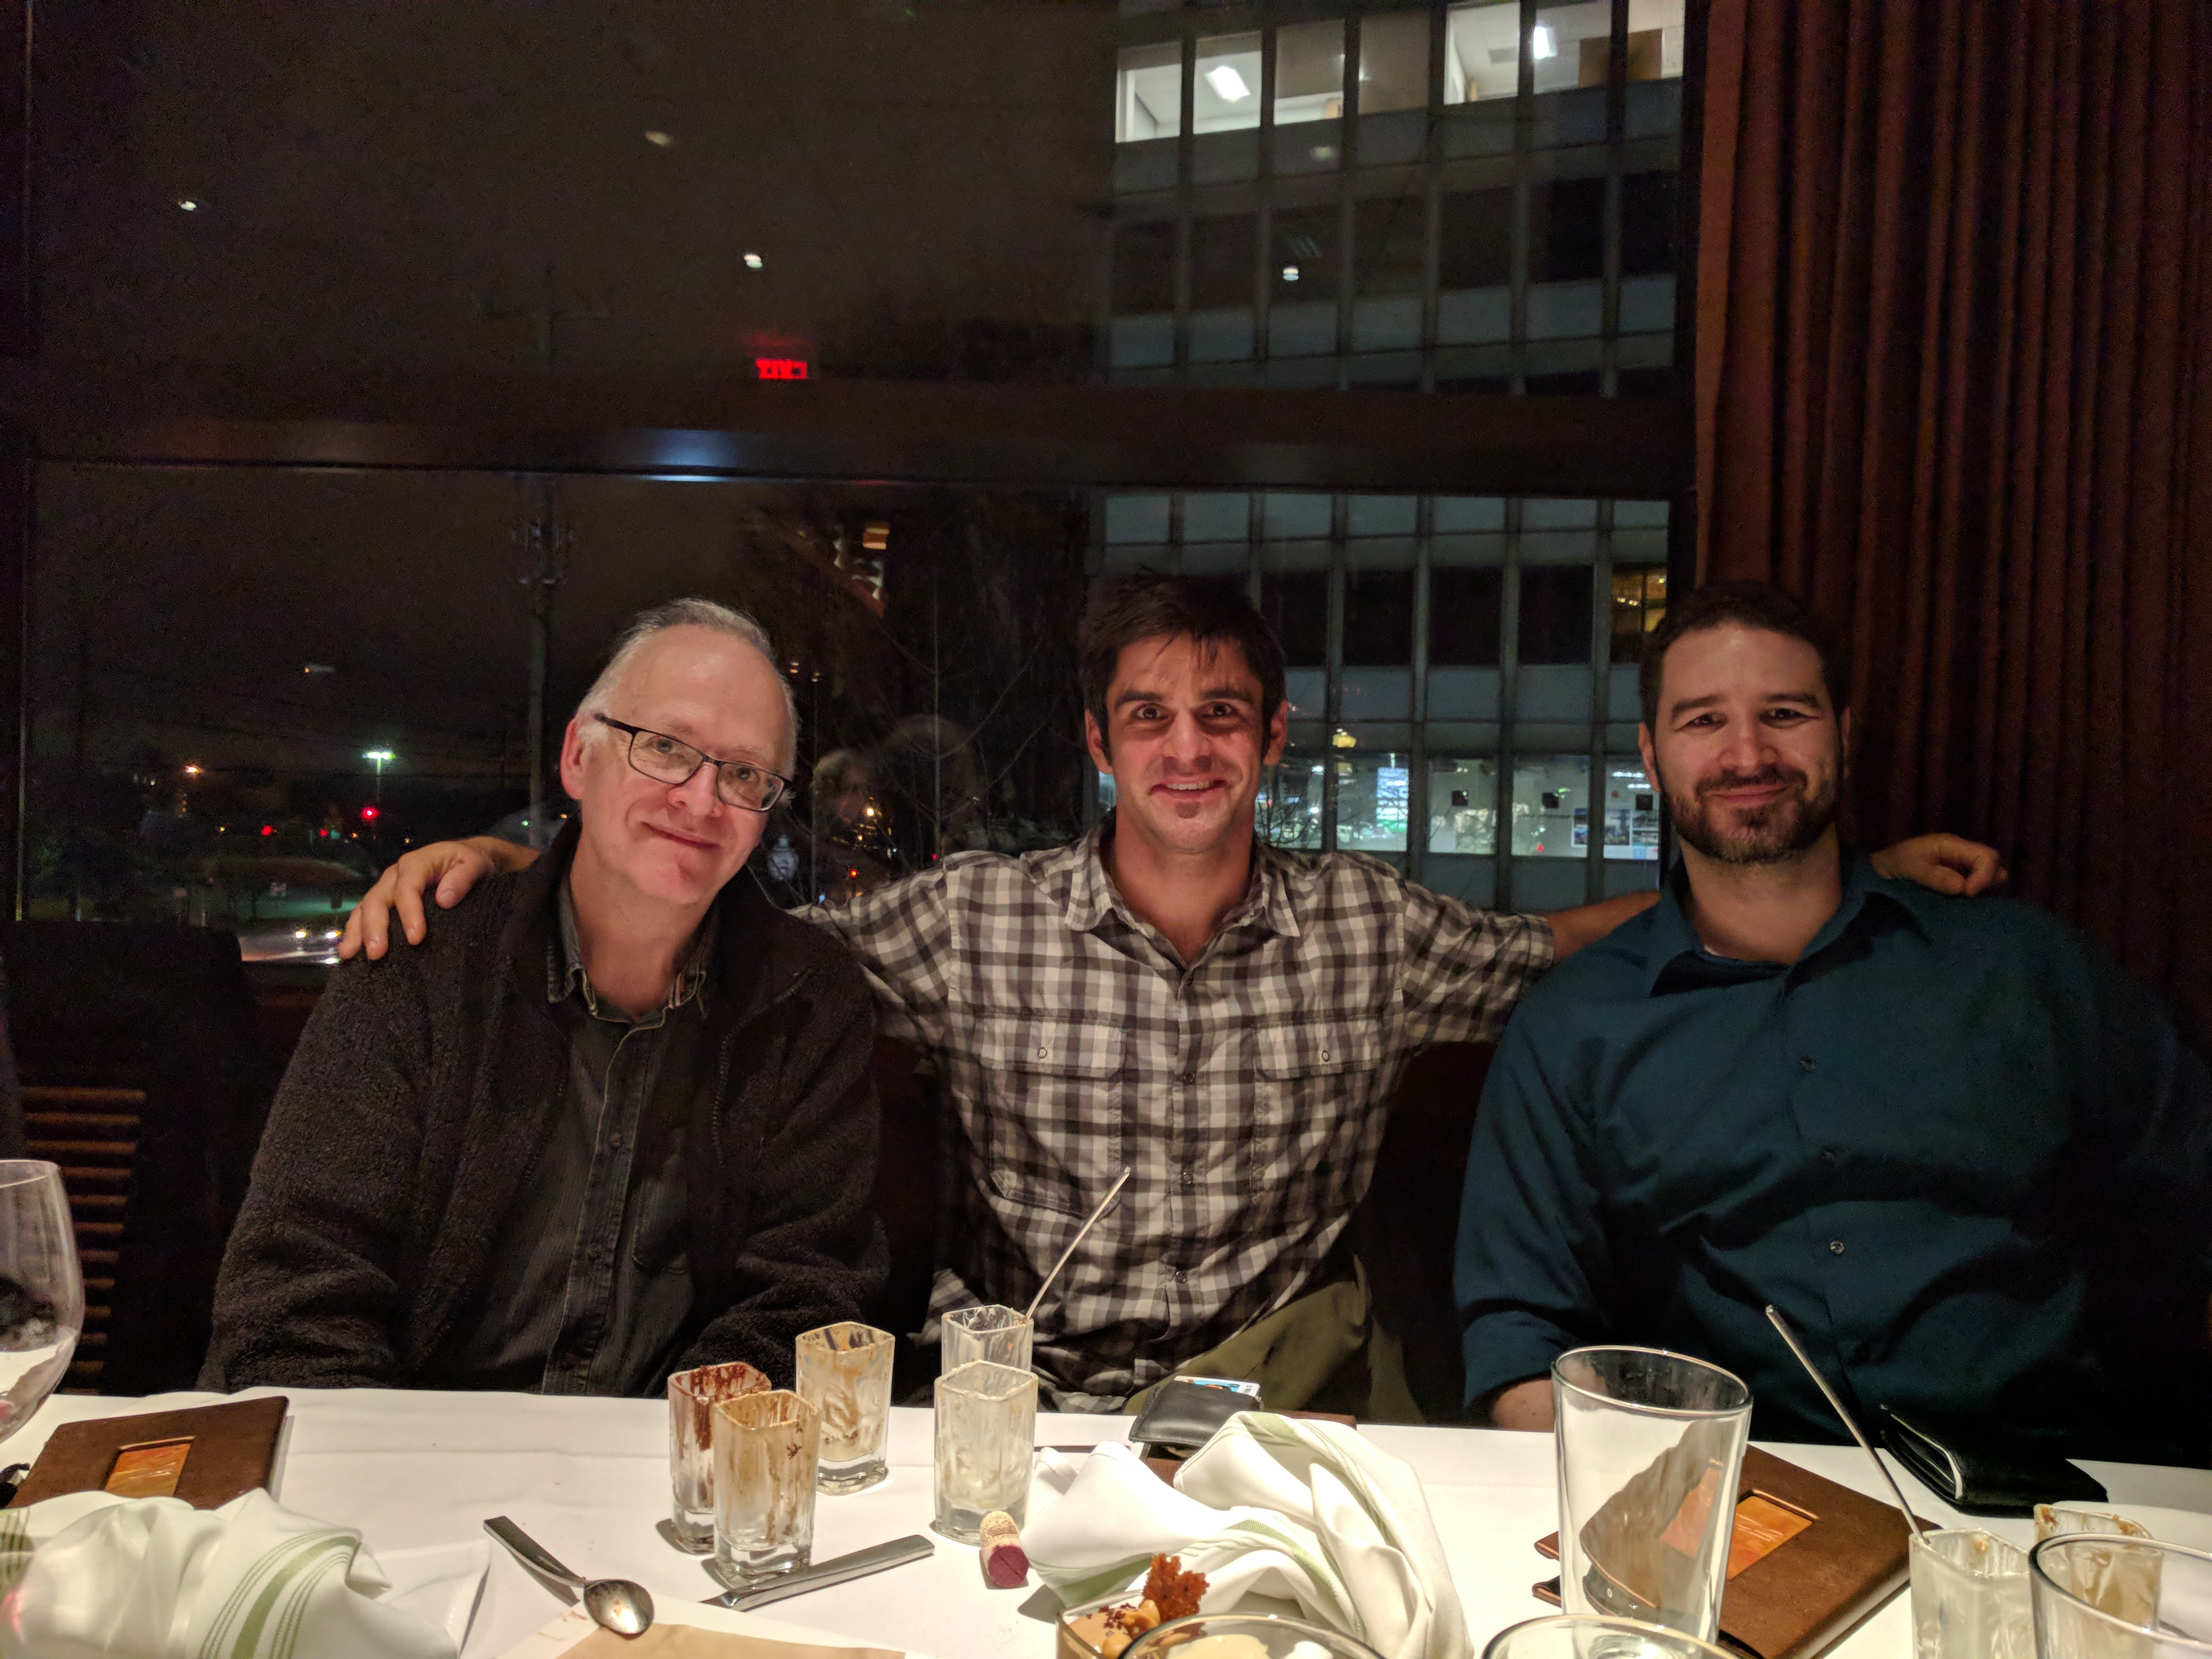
1954 388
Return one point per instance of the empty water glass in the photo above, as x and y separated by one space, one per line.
1581 1635
986 1431
692 1397
994 1335
2108 1598
1970 1597
766 1447
845 1371
1650 1445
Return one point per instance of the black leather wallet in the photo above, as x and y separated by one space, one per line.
1984 1468
1182 1416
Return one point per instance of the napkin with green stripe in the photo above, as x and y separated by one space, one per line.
91 1576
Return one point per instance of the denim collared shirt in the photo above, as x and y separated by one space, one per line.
1921 1140
590 1285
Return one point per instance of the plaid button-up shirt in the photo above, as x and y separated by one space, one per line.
1246 1091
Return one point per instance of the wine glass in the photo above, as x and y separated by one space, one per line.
41 1288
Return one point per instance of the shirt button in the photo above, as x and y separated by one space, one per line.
1324 1054
1835 1247
1189 1176
1806 1061
1043 1053
1181 1276
1185 1077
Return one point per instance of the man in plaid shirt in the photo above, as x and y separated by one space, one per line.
1224 1019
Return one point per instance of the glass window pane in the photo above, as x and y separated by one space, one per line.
1555 614
1631 812
1378 618
1482 52
1639 600
1655 40
1566 230
1390 245
1463 804
1227 95
1308 72
1372 794
1475 239
1222 250
1143 268
1464 605
1393 62
1647 224
1148 100
1572 45
1305 261
1296 604
1551 806
1289 809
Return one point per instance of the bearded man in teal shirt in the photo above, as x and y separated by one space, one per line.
1964 1155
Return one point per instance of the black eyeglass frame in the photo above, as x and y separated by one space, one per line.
630 753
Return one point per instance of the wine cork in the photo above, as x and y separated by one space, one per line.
1004 1562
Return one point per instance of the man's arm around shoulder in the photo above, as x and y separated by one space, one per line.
309 1286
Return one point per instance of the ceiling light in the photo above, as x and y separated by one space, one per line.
188 205
1290 273
1224 80
752 262
661 140
1543 42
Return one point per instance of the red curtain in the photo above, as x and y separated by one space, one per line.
1954 388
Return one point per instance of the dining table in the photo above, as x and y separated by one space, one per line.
588 1478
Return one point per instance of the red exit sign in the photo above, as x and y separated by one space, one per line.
780 368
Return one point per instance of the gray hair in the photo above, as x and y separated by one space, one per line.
691 613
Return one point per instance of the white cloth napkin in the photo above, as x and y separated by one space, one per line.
91 1576
1274 1506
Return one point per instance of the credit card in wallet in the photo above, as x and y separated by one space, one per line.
1232 1384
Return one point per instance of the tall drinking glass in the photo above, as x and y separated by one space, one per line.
41 1288
986 1431
995 1335
1650 1445
1578 1636
692 1397
1969 1596
2108 1598
766 1447
845 1369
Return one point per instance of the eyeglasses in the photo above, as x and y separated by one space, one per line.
671 761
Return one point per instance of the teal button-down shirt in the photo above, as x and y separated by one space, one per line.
1931 1141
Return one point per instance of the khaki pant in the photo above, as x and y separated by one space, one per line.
1302 1356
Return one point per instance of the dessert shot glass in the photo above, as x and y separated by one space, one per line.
996 1335
766 1448
845 1373
986 1430
2103 1596
692 1396
1969 1596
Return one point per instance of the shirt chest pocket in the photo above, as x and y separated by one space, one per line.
1314 1081
1052 1125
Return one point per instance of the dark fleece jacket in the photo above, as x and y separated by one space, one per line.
424 1086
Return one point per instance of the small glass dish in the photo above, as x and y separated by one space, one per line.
1246 1636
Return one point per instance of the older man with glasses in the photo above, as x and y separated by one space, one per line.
613 1119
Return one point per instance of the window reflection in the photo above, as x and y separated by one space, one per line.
1373 797
1390 245
1393 62
1143 268
1475 239
1632 813
1551 806
1639 600
1304 257
1308 72
1148 92
1227 94
1464 615
1572 46
1463 804
1482 52
1555 614
1566 230
1378 618
1295 603
1222 249
1289 810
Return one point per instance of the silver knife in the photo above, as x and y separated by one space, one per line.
859 1565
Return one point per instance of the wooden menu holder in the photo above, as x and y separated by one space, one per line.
206 1455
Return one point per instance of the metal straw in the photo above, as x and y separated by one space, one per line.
1104 1204
1912 1523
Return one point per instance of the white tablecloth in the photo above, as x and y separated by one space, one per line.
588 1478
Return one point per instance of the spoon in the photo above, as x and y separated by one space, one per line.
623 1608
1912 1523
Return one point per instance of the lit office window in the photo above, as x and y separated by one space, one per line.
1143 268
1463 804
1308 72
1482 52
1296 604
1148 92
1222 249
1639 600
1227 95
1288 813
1393 62
1464 605
1551 806
1373 797
1555 614
1632 813
1655 40
1572 46
1303 258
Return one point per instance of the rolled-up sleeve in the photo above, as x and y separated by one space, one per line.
1534 1277
1463 970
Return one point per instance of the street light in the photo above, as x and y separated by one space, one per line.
380 757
